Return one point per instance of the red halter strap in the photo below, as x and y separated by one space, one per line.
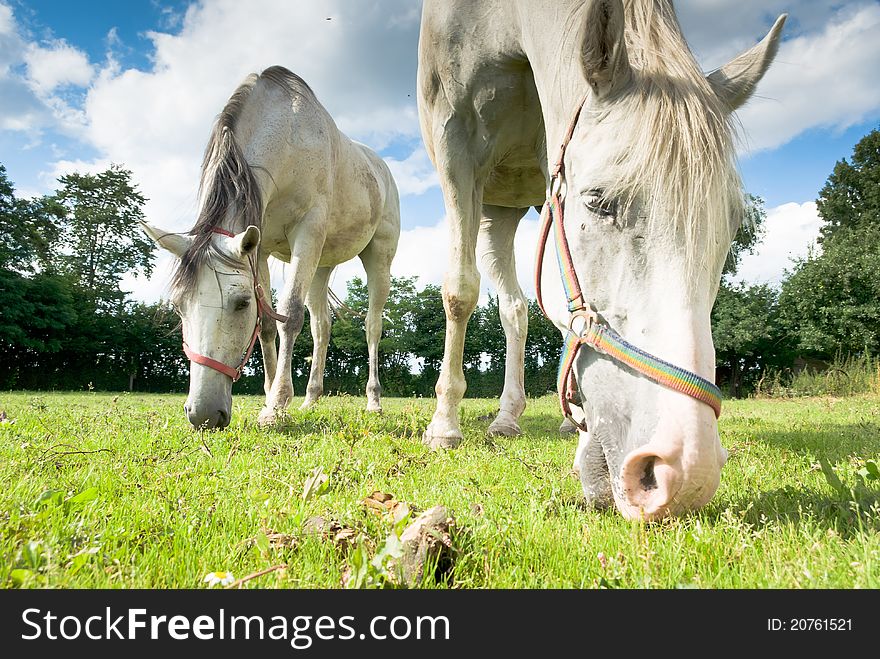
263 307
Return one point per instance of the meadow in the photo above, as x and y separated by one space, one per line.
116 491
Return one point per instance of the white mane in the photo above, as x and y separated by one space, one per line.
679 150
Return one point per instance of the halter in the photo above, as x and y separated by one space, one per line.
263 307
591 331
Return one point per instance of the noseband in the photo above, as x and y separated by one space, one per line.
584 326
263 307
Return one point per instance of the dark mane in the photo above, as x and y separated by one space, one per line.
228 183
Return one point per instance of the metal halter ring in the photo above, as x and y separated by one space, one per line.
558 186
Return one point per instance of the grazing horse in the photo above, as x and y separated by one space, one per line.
600 106
278 178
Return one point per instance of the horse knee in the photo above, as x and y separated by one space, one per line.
514 312
460 296
295 312
268 331
450 387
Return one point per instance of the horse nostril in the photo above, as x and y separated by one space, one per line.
648 481
222 418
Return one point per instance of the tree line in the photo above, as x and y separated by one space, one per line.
827 308
66 324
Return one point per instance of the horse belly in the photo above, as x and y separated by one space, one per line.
358 205
516 184
344 241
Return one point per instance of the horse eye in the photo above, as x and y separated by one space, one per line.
596 202
242 304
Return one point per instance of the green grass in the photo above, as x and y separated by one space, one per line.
845 376
98 490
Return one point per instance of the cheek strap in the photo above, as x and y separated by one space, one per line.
595 334
263 308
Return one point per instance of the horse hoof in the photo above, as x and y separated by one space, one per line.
374 409
266 418
307 404
568 428
504 429
451 440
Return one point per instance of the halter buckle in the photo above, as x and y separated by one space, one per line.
587 316
558 186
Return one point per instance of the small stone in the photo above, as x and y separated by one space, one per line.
427 539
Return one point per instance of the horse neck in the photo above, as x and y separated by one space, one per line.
552 41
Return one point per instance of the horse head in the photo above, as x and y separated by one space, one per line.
216 295
652 200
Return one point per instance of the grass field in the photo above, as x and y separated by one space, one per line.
100 490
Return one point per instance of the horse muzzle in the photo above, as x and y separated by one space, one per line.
208 416
658 480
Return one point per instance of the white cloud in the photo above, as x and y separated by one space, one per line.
718 30
156 287
828 80
414 175
790 231
157 122
57 65
7 23
30 101
63 167
824 76
20 110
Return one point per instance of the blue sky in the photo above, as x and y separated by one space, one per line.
84 84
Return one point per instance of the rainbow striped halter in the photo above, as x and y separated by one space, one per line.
584 326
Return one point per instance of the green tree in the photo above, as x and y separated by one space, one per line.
850 199
146 348
347 359
101 230
748 236
831 300
38 318
746 332
543 348
28 230
427 333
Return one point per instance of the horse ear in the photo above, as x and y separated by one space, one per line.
175 243
247 241
736 81
604 57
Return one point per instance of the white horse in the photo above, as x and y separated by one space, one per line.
279 179
653 200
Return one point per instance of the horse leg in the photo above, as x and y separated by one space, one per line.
567 428
306 243
268 331
495 246
319 315
461 286
377 257
592 468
